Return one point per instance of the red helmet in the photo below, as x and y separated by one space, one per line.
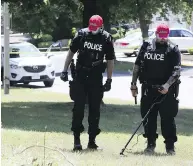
95 23
162 31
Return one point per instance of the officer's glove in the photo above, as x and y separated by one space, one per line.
107 85
134 90
164 89
64 76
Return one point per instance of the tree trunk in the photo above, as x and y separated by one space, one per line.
144 25
103 11
107 25
90 8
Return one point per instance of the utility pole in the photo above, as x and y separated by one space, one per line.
6 48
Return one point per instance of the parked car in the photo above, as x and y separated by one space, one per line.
182 37
57 56
28 64
130 44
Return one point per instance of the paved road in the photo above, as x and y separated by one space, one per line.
121 85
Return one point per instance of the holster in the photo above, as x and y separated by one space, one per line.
176 88
72 89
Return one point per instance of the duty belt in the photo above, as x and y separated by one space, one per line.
96 63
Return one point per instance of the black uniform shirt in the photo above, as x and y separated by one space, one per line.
80 43
159 69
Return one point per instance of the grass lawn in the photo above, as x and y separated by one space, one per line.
123 66
26 112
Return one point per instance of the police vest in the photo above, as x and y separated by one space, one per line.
91 48
156 66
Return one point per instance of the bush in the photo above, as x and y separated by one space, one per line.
44 44
46 37
190 50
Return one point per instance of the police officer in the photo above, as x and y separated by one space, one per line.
158 64
93 45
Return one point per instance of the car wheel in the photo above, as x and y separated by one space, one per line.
128 55
26 83
49 83
135 54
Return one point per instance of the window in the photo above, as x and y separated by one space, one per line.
166 19
25 50
158 19
186 34
174 33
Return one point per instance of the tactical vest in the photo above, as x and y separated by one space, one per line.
91 49
156 66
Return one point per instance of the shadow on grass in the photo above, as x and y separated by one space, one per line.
57 117
121 66
19 86
146 154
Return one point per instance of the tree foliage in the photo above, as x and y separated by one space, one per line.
58 17
142 11
50 17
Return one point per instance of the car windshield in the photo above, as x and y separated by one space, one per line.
25 50
133 35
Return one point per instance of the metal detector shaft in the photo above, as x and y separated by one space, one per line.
122 151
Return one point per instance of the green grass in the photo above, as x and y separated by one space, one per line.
121 66
26 112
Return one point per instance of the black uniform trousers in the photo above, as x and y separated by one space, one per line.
2 75
168 110
88 84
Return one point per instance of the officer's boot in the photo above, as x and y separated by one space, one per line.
170 149
151 144
77 144
91 144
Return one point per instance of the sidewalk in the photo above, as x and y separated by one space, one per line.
121 89
187 60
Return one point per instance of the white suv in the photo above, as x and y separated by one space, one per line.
131 43
28 64
181 37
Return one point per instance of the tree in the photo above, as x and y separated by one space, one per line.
104 9
25 4
90 8
50 17
142 11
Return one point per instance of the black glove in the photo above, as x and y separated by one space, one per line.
107 85
64 76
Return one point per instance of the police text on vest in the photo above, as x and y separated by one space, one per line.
93 46
154 56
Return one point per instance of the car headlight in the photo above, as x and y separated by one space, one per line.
13 66
49 65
